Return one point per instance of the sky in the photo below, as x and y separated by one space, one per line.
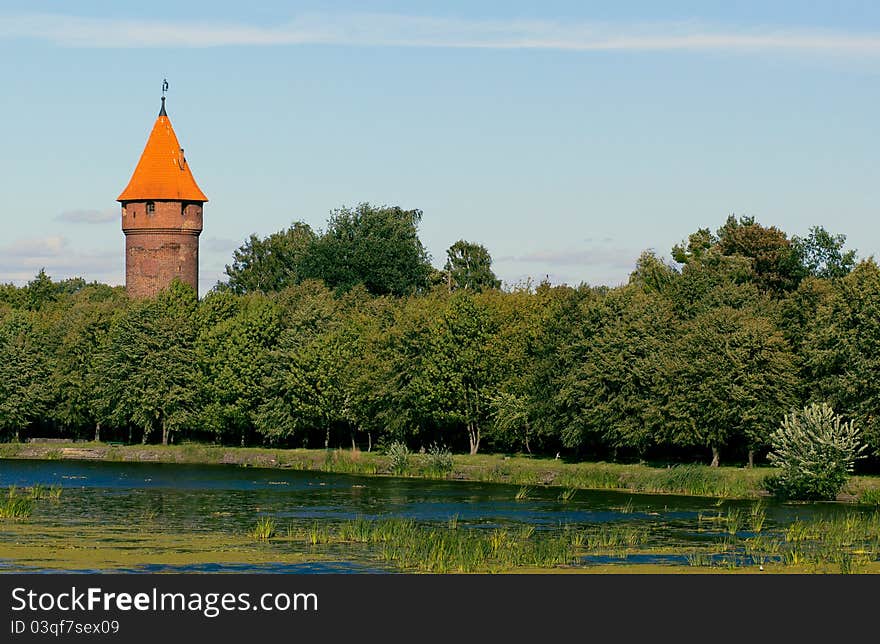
565 136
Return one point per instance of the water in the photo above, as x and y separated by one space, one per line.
215 499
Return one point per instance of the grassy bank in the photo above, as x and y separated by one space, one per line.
701 480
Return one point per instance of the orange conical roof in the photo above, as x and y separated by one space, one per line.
162 172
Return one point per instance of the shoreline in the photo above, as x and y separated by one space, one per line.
693 480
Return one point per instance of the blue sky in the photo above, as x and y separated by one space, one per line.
566 137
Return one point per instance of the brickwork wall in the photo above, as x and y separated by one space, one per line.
160 245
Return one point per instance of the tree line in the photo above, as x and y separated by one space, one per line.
348 336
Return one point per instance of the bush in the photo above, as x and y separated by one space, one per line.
398 454
814 452
440 461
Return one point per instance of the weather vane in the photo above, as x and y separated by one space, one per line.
164 86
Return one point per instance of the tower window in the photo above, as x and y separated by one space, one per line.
151 207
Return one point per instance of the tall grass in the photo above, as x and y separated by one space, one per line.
870 497
843 544
439 549
757 516
264 529
16 506
37 492
567 494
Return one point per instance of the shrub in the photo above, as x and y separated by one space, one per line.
814 452
398 455
440 460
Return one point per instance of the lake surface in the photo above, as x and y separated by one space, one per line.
211 499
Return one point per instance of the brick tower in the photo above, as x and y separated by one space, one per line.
161 216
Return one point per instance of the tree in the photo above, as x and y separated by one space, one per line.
378 247
652 274
82 329
308 369
775 261
469 267
40 291
270 264
510 420
148 371
26 361
613 386
552 354
463 363
822 255
450 365
233 348
842 349
732 375
774 264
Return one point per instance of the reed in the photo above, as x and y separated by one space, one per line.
757 516
699 558
438 549
16 506
567 494
523 493
733 521
846 543
264 529
870 497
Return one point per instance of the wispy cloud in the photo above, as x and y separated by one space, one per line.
422 31
89 216
21 260
38 247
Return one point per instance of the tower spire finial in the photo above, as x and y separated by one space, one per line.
164 89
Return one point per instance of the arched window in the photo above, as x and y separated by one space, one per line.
151 207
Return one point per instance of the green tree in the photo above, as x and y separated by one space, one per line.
732 375
775 260
517 312
270 264
308 370
234 344
552 353
842 349
378 247
449 365
464 366
26 361
773 263
469 267
148 371
404 397
822 255
618 366
652 274
82 329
